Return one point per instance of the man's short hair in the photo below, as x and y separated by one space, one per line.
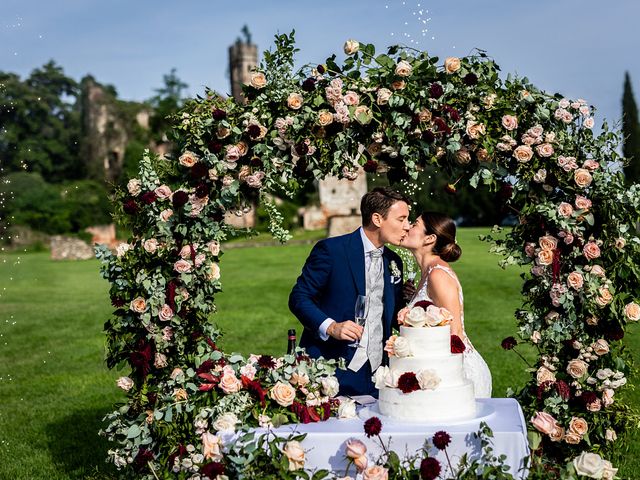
379 200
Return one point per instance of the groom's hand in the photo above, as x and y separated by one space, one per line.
347 330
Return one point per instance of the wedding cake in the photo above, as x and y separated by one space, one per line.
424 380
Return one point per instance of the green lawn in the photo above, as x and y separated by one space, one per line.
55 387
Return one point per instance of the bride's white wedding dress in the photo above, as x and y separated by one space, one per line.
474 366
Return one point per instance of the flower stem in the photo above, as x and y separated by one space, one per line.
448 460
523 359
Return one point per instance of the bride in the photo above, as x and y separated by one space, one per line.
432 242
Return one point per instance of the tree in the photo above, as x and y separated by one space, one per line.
41 129
167 101
631 132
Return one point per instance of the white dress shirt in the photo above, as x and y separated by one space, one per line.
368 247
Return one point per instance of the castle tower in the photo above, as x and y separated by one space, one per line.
243 57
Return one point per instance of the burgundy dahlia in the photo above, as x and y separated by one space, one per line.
371 166
563 389
130 206
423 304
441 126
614 332
302 148
199 170
588 397
266 361
441 440
148 197
180 198
117 302
452 112
372 426
202 190
256 162
509 343
253 130
142 458
218 114
429 468
215 146
436 90
408 382
428 136
309 85
213 469
470 79
457 345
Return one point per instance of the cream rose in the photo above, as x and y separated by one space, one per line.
375 472
632 311
226 422
188 159
540 176
428 379
134 186
214 248
589 464
214 272
294 101
211 447
545 375
523 153
575 280
510 122
610 435
355 449
295 454
125 383
572 438
582 177
600 346
382 96
166 313
416 317
325 117
403 68
544 423
299 378
578 426
122 248
283 393
475 130
351 46
330 386
229 383
347 409
577 368
258 80
451 64
138 305
591 250
398 85
620 243
401 347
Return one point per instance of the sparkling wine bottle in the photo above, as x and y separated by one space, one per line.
291 345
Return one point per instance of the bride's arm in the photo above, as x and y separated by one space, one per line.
443 290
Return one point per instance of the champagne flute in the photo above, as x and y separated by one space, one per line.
360 315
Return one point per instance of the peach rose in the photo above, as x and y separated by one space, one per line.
182 266
591 250
382 96
545 375
582 177
523 153
575 280
475 130
138 305
214 248
325 117
134 186
214 272
451 64
351 46
361 463
620 243
483 155
299 378
463 157
577 368
398 85
607 397
632 311
283 393
545 150
180 394
600 346
604 297
544 423
355 449
557 435
548 242
545 257
578 426
294 101
211 447
295 453
572 438
582 203
258 80
165 215
375 472
565 209
403 68
166 313
125 383
188 159
510 122
229 383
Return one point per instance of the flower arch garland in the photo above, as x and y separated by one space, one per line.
391 113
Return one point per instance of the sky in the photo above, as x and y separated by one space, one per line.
580 48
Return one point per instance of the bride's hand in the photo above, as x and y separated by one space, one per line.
408 290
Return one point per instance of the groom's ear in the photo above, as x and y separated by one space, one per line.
376 219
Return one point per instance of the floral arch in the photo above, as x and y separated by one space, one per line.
392 113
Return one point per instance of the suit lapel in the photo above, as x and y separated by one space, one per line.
355 256
389 297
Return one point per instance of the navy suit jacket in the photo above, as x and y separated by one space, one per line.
332 278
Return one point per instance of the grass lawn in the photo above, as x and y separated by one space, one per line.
55 387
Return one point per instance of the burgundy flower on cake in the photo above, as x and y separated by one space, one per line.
429 468
457 345
423 304
408 382
372 426
441 440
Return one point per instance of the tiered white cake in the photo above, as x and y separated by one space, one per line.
444 393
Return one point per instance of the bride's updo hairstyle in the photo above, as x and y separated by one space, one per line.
445 231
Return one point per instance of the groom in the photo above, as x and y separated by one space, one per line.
337 271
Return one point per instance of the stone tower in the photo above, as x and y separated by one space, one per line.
243 57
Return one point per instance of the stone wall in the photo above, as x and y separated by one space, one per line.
69 248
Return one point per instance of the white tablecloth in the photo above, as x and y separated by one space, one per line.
325 441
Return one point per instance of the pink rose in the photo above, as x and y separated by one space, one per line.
582 203
582 177
166 214
232 153
163 192
125 383
565 209
351 98
134 187
375 472
577 368
185 251
166 313
598 271
607 396
530 249
589 122
167 333
182 266
590 165
600 347
545 150
150 245
214 248
355 449
229 383
199 260
523 153
452 64
382 96
620 243
510 122
544 423
548 242
249 371
591 250
575 280
402 314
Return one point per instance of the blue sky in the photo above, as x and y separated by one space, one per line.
578 47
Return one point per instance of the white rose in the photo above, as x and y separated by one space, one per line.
295 453
417 317
428 379
347 409
226 421
379 378
125 383
330 386
134 186
122 249
433 316
589 465
402 348
351 46
160 360
451 64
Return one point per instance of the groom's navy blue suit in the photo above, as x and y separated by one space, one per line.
332 278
